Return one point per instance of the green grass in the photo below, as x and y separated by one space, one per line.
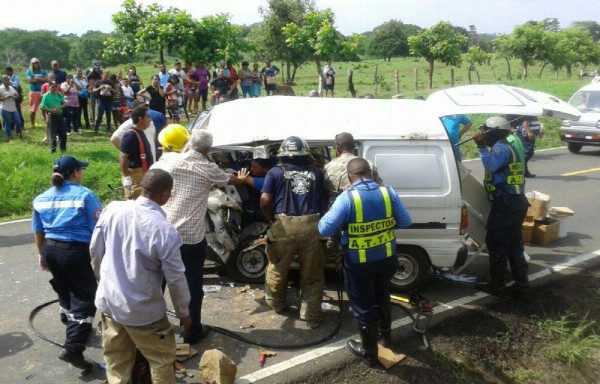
577 340
524 375
27 164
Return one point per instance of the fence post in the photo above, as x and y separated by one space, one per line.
376 67
452 77
416 79
397 81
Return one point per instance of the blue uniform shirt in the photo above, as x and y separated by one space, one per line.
452 124
302 191
68 213
494 161
341 212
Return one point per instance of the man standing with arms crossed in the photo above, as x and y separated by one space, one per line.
368 215
133 249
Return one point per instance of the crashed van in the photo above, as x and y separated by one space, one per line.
405 140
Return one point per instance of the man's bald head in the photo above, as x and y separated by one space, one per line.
358 169
345 142
155 183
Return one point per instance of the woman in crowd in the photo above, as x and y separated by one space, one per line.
84 94
155 93
134 80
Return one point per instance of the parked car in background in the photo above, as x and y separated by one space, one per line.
586 130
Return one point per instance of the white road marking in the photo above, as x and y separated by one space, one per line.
442 307
15 221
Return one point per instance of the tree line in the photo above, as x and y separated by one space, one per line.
296 32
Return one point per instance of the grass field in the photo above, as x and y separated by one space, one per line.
27 164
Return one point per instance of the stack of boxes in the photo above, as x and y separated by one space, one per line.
539 228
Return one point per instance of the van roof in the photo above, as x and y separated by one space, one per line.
274 118
594 86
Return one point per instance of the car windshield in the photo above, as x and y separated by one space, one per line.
586 101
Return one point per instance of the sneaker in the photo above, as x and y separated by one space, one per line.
529 174
68 133
45 139
76 359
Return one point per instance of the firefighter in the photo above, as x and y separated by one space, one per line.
293 198
504 181
368 215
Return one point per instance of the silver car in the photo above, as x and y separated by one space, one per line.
585 131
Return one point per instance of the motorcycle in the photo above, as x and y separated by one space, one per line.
241 249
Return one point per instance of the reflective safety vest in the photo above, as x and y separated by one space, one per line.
513 182
371 229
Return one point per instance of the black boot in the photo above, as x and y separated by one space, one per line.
367 348
496 284
76 359
385 325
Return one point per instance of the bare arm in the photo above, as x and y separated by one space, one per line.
267 206
123 162
39 243
464 129
116 142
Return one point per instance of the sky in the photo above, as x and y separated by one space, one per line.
352 16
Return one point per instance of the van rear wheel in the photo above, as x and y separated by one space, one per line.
413 269
248 265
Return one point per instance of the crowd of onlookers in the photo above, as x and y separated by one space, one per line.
68 101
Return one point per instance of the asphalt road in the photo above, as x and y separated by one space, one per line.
570 180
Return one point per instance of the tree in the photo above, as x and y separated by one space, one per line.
317 37
439 43
477 56
388 40
45 45
269 40
89 47
152 28
215 38
503 49
528 44
591 26
573 46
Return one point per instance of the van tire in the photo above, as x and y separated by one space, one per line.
413 269
248 266
574 147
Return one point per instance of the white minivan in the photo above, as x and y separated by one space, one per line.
406 141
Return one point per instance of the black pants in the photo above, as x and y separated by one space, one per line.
193 256
74 282
83 111
57 128
504 239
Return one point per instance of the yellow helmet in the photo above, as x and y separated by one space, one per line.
173 137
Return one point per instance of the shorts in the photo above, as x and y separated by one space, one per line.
35 98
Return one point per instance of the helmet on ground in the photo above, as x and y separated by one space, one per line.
173 137
293 146
498 122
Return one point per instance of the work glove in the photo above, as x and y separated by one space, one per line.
127 182
479 139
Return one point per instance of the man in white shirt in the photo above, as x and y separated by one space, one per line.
133 249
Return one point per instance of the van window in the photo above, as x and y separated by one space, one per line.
412 170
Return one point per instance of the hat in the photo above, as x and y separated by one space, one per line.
52 84
53 62
34 60
96 64
67 164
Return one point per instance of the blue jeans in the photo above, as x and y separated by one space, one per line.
71 116
10 118
367 285
104 107
247 91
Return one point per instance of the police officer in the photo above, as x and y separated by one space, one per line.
64 217
293 198
505 184
368 215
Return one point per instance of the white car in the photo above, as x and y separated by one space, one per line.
586 130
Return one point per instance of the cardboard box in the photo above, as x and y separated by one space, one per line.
539 205
545 231
527 231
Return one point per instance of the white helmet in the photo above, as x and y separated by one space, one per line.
498 122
